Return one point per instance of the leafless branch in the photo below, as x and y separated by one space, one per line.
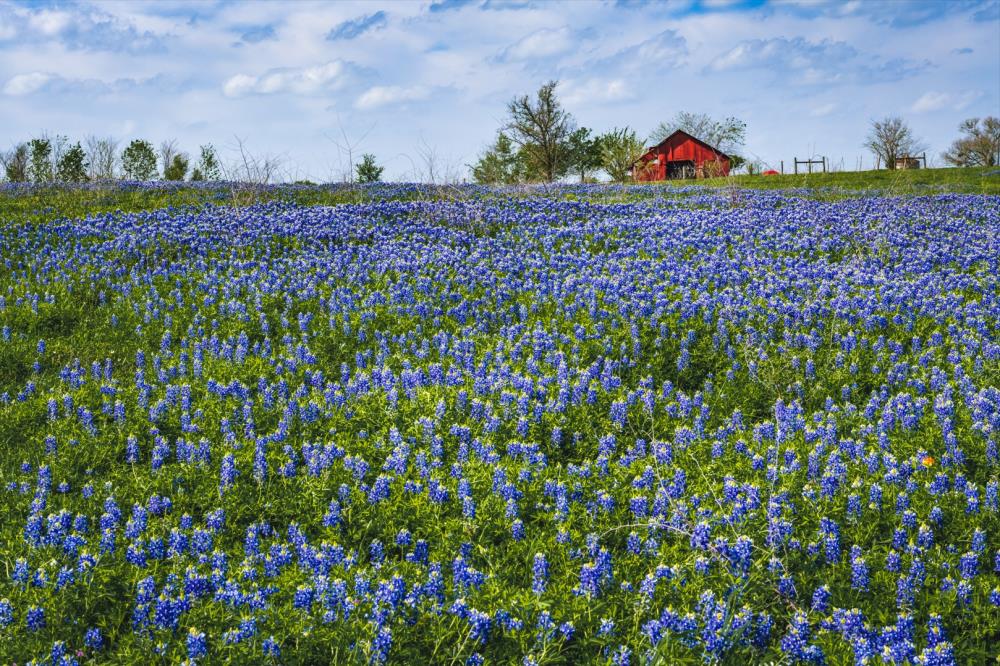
249 175
102 154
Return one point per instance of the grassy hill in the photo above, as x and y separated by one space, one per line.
917 181
26 203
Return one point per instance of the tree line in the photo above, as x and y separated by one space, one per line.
47 159
892 140
541 142
50 159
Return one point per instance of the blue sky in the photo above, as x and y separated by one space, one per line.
404 80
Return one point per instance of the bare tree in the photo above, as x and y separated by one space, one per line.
434 168
102 153
541 127
248 175
15 163
979 147
168 150
60 143
891 138
348 147
429 159
727 135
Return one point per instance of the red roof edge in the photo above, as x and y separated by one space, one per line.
693 138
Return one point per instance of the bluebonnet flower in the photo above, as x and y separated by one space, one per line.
6 612
35 618
622 656
270 647
197 644
860 577
969 565
539 574
821 599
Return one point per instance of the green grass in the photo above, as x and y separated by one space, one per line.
44 204
28 204
916 181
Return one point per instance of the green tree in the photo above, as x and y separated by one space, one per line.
541 128
979 147
139 161
73 165
177 168
368 170
208 167
40 160
584 152
620 150
15 163
500 164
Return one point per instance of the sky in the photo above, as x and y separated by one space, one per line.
426 83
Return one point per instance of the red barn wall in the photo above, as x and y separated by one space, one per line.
680 148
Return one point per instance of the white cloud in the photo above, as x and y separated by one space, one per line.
297 80
795 53
239 85
823 110
542 43
595 91
931 101
50 23
631 64
384 95
805 62
81 28
25 84
31 83
665 50
936 101
967 98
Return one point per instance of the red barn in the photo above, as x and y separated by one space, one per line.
681 155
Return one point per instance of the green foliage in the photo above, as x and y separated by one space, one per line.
72 166
177 169
500 164
40 160
208 165
584 152
541 128
139 161
620 150
836 185
81 323
368 170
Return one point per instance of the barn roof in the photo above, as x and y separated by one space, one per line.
693 138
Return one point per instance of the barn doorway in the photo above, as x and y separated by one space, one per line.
680 169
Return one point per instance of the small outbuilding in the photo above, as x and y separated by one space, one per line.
681 155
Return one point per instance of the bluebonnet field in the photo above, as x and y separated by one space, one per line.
580 425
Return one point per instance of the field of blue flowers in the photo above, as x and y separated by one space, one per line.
562 427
